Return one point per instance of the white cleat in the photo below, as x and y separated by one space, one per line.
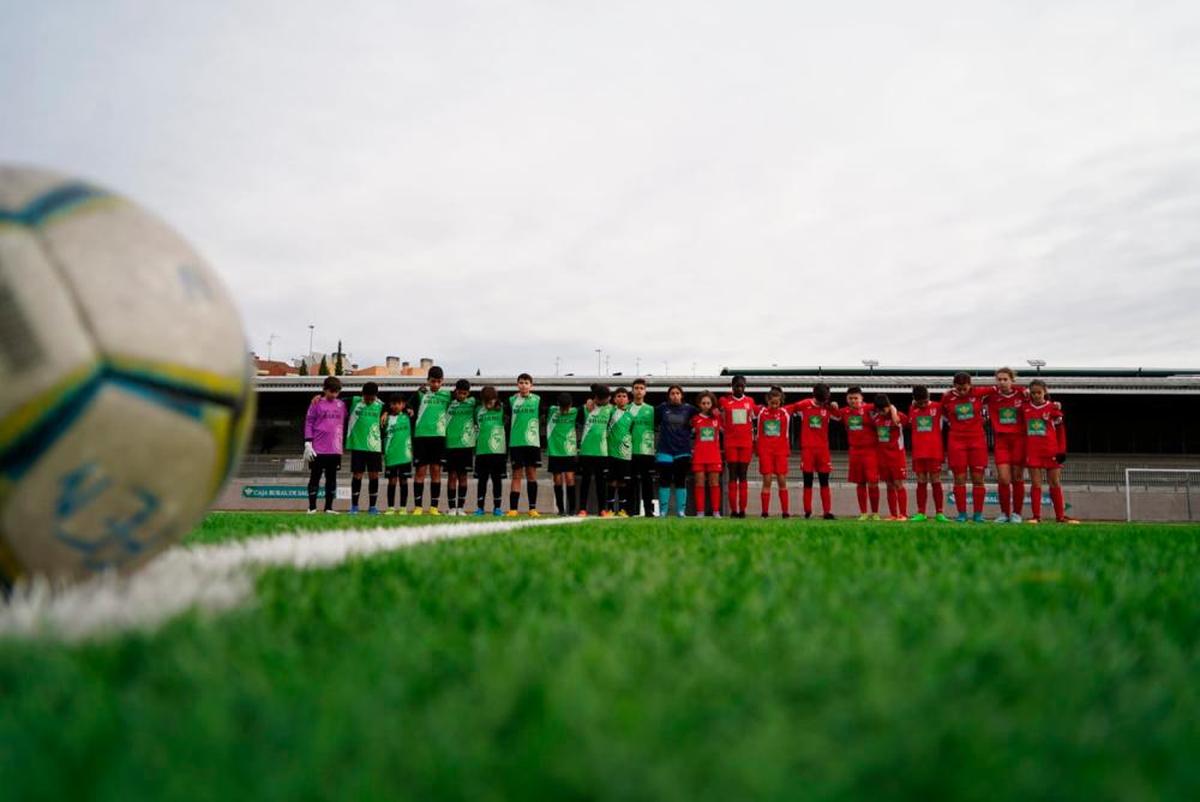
1014 519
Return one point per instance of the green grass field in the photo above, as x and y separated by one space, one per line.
665 660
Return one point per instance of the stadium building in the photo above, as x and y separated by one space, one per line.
1117 419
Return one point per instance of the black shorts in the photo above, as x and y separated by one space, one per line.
618 469
399 471
525 456
459 460
592 465
366 461
428 451
643 465
326 462
674 473
490 465
561 464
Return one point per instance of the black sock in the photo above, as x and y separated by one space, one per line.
481 490
627 499
462 494
355 489
571 508
373 491
531 488
451 497
497 490
558 500
435 493
403 494
582 483
418 493
514 498
391 495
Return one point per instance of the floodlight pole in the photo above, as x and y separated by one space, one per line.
598 352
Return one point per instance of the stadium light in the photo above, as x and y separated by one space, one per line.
598 352
1037 364
310 339
871 364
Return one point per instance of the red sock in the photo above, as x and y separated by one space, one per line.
698 495
978 494
922 496
743 495
891 500
902 500
960 498
808 501
1018 496
1035 502
826 499
873 491
785 500
939 498
733 496
862 499
764 498
714 498
1060 507
1004 489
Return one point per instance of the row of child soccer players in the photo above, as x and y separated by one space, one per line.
619 443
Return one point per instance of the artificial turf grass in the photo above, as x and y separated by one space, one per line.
688 659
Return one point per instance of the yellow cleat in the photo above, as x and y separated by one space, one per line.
433 511
417 511
534 514
511 514
622 514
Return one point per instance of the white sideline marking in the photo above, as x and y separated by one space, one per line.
211 577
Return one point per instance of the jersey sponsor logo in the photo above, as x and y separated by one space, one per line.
925 423
708 434
772 428
964 411
1008 415
739 416
855 423
816 422
885 434
1036 427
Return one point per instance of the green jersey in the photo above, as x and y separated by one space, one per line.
397 440
643 429
431 413
561 438
594 442
460 424
525 412
362 430
490 425
620 434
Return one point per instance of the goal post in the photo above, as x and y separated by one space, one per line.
1162 494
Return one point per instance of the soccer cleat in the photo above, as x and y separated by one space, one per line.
765 515
606 513
402 511
511 514
875 516
941 518
418 511
920 516
681 514
389 511
1067 520
479 513
433 511
1002 519
354 509
891 518
1014 519
621 514
961 518
864 517
534 514
499 513
829 516
1033 520
372 510
715 515
807 514
786 515
332 512
312 512
978 518
581 514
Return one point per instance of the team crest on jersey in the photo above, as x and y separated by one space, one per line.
496 441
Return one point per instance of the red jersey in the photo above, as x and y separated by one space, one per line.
1004 411
706 440
860 430
965 412
774 427
1045 432
925 424
889 434
737 420
814 423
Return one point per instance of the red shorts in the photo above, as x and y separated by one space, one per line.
773 464
864 466
739 454
1010 449
892 466
931 465
814 460
964 454
1036 461
707 467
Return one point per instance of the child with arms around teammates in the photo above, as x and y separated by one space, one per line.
673 459
864 452
1045 451
642 464
562 452
1008 443
620 454
364 441
737 431
397 453
593 447
774 450
963 408
460 445
925 421
323 427
893 468
490 451
524 444
815 414
429 439
706 455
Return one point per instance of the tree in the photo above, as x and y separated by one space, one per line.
303 367
324 371
338 367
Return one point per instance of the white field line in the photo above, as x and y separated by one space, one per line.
213 578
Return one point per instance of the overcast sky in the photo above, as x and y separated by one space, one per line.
496 184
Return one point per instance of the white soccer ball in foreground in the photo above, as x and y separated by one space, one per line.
127 395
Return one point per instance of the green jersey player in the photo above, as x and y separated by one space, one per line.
524 443
397 453
429 439
593 446
364 441
562 450
620 454
642 465
489 448
460 445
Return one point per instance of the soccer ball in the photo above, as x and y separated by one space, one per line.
127 392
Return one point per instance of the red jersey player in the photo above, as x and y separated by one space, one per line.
889 432
1008 434
815 414
864 451
737 425
963 407
774 448
928 453
1045 450
706 454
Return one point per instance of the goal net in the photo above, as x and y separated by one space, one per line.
1162 494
